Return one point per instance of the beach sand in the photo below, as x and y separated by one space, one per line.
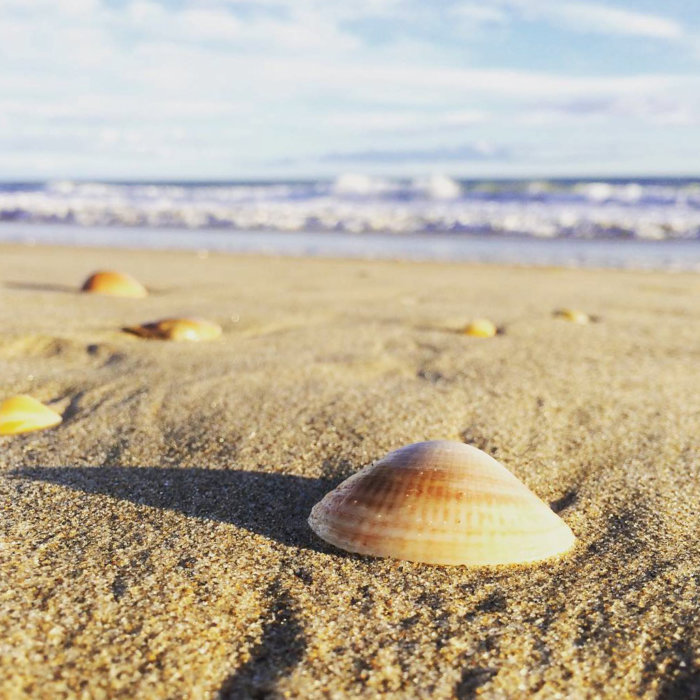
154 545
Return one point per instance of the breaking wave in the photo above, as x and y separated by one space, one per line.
356 203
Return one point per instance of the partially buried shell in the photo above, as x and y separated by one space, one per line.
193 329
116 284
573 315
440 503
22 414
481 328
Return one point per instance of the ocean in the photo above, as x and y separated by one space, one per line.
638 223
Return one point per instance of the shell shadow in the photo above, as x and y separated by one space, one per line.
41 287
281 648
269 504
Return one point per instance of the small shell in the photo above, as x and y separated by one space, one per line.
114 284
440 503
481 328
193 329
22 414
573 315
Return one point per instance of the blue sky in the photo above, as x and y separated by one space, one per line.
235 89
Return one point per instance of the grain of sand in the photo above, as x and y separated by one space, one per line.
154 545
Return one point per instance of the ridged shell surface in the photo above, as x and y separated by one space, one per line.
440 502
22 414
192 329
116 284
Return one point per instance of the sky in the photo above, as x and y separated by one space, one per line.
251 89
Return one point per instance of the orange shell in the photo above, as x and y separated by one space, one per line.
573 315
481 328
114 284
193 329
440 503
22 414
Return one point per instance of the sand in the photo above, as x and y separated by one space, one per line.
154 545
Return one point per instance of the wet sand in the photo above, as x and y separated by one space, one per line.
155 544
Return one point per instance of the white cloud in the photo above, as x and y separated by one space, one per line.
299 27
210 24
480 13
658 110
90 82
406 122
476 151
610 20
145 14
69 7
589 17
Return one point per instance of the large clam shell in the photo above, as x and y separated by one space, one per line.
440 502
116 284
22 414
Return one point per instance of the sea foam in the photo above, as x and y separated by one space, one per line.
359 203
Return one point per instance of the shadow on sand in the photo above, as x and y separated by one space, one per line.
41 287
269 504
280 650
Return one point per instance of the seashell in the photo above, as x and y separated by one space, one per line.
440 502
116 284
573 315
481 328
22 414
194 329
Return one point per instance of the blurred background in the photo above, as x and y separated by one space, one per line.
209 122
